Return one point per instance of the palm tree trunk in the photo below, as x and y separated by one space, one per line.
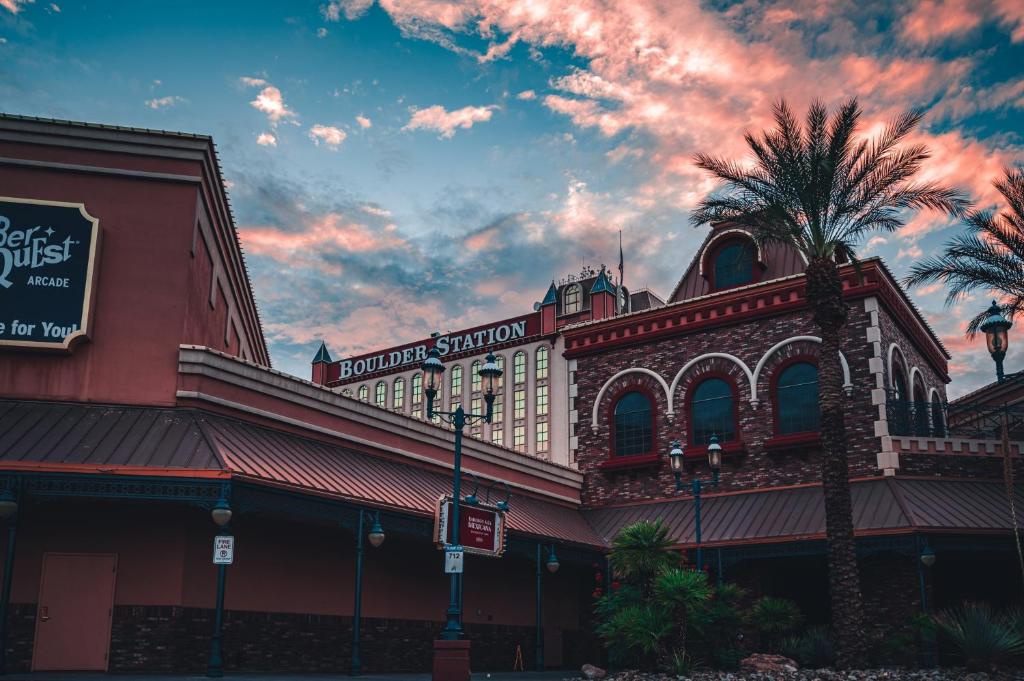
825 296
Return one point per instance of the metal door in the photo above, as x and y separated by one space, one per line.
76 600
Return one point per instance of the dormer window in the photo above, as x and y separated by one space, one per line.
733 265
572 299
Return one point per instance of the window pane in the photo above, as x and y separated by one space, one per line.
497 435
571 301
499 383
364 393
796 399
398 394
542 436
499 410
734 265
519 404
542 400
519 367
476 379
633 432
542 363
519 438
380 396
417 388
712 413
456 380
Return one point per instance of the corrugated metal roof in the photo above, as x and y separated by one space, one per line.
55 433
794 513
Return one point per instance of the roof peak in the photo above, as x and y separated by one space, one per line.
602 284
322 356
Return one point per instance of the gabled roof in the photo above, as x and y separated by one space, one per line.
322 356
551 296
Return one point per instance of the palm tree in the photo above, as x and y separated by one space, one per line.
988 256
818 189
641 551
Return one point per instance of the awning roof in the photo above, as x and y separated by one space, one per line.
112 438
880 506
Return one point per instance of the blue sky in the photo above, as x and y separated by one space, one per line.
414 165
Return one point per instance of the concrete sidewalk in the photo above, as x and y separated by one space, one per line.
477 676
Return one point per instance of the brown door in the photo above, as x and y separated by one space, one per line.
76 598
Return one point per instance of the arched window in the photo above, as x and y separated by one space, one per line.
475 380
572 299
712 412
398 394
938 417
542 362
796 399
519 367
899 411
364 393
456 381
920 409
734 265
380 394
500 382
417 395
633 425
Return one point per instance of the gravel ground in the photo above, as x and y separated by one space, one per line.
829 675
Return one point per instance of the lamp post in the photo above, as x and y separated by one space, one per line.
376 537
8 512
675 458
433 370
552 565
926 559
221 514
995 327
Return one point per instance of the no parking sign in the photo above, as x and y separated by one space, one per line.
223 550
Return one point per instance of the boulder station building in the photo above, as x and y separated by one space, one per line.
137 401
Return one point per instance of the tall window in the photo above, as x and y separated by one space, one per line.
476 405
364 393
498 412
519 367
938 418
899 412
542 400
542 362
475 379
417 395
519 438
497 435
572 299
796 399
398 394
500 382
920 411
711 412
633 424
380 394
542 437
734 265
519 404
456 381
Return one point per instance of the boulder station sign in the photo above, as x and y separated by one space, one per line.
481 527
47 272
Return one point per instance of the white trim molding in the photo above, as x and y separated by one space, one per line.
847 381
635 370
710 355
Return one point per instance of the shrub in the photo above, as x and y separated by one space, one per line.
812 649
981 636
773 618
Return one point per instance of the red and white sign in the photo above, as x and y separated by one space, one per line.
481 528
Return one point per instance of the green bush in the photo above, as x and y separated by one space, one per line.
773 618
903 646
812 649
983 637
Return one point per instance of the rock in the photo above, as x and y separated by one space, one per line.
593 673
763 663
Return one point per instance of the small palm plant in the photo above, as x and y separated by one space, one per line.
988 256
981 636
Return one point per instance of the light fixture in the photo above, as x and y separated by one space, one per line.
675 457
927 556
432 372
995 328
376 535
8 504
221 512
552 563
714 453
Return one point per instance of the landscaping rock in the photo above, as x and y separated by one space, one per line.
593 673
945 674
764 663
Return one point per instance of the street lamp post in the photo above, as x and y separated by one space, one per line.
995 327
221 514
926 559
376 537
552 565
433 370
675 458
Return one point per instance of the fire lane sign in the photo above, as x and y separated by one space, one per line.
223 550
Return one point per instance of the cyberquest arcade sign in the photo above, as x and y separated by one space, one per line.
47 272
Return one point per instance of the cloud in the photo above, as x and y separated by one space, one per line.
269 100
321 32
446 122
327 134
936 20
164 102
15 6
363 121
527 95
351 9
265 139
250 81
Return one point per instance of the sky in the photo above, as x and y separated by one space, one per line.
405 166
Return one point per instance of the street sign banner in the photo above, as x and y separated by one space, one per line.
453 558
481 527
223 550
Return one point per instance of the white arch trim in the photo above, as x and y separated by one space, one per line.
910 385
724 234
635 370
847 381
932 394
709 355
917 372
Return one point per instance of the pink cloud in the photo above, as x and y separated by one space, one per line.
446 122
936 20
265 139
164 102
328 231
269 100
329 135
527 95
364 122
15 6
